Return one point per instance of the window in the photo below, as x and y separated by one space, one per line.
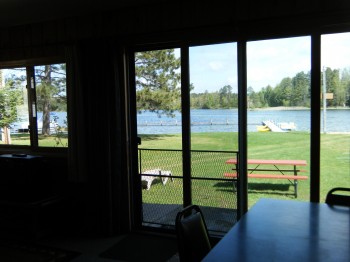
279 116
33 106
335 113
180 129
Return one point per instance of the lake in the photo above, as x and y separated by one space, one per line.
226 120
61 118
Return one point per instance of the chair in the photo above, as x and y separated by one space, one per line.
333 198
192 234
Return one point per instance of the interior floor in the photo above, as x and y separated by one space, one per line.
90 249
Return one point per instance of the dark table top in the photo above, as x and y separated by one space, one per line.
285 230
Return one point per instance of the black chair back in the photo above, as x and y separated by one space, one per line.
335 196
192 234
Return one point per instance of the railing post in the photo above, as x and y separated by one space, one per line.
242 189
186 125
140 160
315 143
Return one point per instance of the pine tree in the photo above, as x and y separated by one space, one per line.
158 81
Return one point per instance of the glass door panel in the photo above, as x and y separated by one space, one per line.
158 102
335 113
51 103
214 132
278 93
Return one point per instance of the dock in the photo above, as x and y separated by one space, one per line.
272 126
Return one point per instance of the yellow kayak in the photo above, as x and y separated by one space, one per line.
262 128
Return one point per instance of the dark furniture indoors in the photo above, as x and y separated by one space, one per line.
30 205
338 196
192 234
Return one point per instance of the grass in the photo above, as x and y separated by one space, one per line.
44 141
335 163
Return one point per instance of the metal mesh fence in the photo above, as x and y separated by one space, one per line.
162 180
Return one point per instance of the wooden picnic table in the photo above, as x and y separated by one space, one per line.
270 162
274 166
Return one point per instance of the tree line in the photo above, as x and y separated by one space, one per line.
290 91
158 88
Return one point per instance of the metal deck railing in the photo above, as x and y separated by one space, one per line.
163 198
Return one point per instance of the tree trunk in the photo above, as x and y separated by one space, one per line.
46 118
6 136
46 102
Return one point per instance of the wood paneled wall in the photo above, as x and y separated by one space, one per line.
48 38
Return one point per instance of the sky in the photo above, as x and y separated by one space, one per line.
268 61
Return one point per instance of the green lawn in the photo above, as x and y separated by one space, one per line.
54 140
335 162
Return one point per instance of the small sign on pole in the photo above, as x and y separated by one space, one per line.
328 96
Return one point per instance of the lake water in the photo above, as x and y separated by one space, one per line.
226 120
24 122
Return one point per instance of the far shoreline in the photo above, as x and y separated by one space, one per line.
286 108
276 108
279 108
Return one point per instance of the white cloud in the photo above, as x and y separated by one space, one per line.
216 65
335 50
268 61
213 66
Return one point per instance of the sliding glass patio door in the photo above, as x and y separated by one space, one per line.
187 133
214 132
159 117
279 117
335 113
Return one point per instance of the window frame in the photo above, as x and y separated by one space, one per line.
34 147
242 40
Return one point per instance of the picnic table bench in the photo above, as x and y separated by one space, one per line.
289 171
149 175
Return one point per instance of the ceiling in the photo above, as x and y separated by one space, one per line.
19 12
